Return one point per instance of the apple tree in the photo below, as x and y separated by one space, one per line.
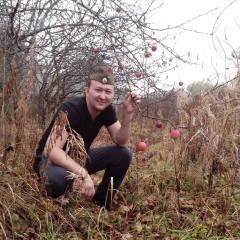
69 38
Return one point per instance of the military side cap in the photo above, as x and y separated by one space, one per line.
103 74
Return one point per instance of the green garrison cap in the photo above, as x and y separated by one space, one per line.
103 74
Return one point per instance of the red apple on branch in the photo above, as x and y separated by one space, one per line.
138 74
147 54
141 146
154 48
158 124
95 49
180 83
174 134
111 47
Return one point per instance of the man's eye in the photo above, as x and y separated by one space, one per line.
98 90
109 92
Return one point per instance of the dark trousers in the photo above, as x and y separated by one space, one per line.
114 159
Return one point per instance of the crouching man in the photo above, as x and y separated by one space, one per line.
86 115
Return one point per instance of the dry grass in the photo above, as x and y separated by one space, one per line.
177 189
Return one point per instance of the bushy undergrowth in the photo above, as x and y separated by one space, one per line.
177 189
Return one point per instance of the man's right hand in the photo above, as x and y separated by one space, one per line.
88 189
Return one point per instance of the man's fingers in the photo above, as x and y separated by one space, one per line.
88 193
136 98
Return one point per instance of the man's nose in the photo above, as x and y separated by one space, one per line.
102 95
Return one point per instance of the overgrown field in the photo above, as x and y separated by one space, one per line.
187 188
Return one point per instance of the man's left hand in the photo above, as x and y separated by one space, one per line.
130 102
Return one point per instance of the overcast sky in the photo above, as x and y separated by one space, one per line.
211 51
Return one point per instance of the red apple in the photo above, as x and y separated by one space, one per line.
111 47
138 74
180 83
154 48
174 134
158 124
147 54
141 146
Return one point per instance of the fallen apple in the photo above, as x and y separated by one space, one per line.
158 124
138 74
141 146
174 134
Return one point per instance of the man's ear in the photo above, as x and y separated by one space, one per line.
86 89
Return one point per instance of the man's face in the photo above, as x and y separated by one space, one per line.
99 95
